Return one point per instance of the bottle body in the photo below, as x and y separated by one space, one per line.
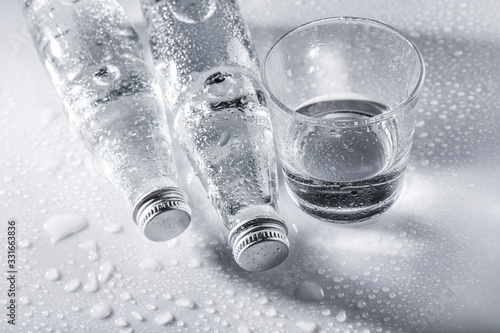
228 139
208 71
209 74
93 56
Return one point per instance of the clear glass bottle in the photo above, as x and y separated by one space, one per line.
209 73
96 63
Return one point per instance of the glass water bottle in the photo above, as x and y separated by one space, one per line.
209 73
96 63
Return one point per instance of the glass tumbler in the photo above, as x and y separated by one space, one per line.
343 94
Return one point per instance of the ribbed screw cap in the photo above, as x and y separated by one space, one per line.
163 214
259 244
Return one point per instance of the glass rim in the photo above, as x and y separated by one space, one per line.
412 96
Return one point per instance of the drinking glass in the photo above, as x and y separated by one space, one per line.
343 94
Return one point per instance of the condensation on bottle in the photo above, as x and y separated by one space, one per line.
209 74
93 56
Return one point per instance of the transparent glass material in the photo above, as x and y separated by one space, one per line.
96 63
342 94
210 76
208 69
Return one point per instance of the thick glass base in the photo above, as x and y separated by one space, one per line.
344 202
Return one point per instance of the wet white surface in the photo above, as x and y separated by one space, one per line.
430 264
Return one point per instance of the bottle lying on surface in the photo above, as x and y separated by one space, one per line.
96 63
209 75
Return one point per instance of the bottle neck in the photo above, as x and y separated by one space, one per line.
250 213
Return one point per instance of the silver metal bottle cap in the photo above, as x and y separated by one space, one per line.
163 214
259 244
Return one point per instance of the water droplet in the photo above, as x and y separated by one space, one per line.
91 246
272 312
52 274
121 322
149 264
341 316
125 296
72 285
106 268
55 48
92 285
306 326
192 11
420 123
224 138
263 300
243 329
164 318
185 303
194 263
63 225
100 310
308 291
24 243
361 304
24 300
113 228
137 316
